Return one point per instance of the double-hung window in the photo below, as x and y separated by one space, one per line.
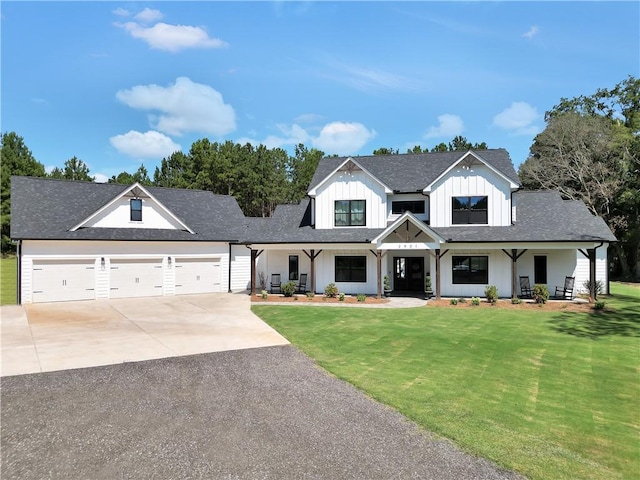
467 210
470 269
135 205
351 269
350 213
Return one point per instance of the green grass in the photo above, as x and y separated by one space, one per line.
552 395
8 281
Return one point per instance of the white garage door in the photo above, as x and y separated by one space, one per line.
63 280
136 278
197 275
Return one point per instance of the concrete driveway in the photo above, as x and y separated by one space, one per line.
58 336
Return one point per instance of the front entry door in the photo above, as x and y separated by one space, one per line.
408 274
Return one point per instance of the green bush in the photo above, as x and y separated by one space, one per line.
387 283
599 305
310 295
331 290
587 285
540 293
289 288
475 301
453 301
516 301
462 300
341 297
362 297
264 294
491 292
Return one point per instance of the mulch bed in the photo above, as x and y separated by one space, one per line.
526 304
315 299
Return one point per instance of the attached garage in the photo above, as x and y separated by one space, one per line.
136 278
63 280
197 275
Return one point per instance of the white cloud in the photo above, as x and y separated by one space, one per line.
148 16
100 178
121 12
519 118
532 32
343 138
448 126
172 38
185 106
152 144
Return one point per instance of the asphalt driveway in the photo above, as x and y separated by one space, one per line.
265 413
57 336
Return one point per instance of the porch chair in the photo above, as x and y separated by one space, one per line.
525 287
302 285
275 283
566 292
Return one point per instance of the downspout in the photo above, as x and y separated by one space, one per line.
229 290
592 293
19 273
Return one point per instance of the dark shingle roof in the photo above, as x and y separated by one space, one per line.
413 172
47 208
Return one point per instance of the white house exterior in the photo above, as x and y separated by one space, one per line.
459 217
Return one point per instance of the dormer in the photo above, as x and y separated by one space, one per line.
134 207
350 197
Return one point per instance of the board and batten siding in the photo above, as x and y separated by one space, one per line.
499 274
356 186
118 215
240 269
325 272
480 181
582 269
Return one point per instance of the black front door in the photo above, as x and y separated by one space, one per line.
408 274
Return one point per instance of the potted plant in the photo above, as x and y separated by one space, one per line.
428 290
387 286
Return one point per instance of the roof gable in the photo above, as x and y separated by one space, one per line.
349 165
466 162
114 213
408 229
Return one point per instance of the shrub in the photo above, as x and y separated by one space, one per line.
331 290
516 301
475 301
587 285
540 293
599 304
491 292
462 300
264 294
387 283
362 297
289 288
310 295
341 297
453 301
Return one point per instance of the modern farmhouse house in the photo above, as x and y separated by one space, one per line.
459 217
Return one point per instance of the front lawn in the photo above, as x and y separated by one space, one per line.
8 282
550 394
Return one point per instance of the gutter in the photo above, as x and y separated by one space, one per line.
19 272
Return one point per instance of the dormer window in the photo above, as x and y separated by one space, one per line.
413 206
469 210
350 213
135 205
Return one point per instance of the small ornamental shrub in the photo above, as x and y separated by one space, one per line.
341 297
289 288
599 305
453 301
387 283
491 292
310 295
262 281
331 290
587 286
540 293
264 294
475 301
462 300
516 301
362 297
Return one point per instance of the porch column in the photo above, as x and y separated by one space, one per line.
312 257
379 262
592 273
254 257
437 274
514 273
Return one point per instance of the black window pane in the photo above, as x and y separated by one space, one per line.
470 270
351 269
469 210
413 206
293 267
136 210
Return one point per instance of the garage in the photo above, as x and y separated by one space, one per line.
63 280
136 277
197 275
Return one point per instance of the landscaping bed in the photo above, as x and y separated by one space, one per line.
301 298
552 305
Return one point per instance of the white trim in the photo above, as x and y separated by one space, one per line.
512 184
121 195
313 191
414 220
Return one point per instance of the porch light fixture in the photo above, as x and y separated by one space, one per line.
169 260
102 263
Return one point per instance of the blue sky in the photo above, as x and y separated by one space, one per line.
118 84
